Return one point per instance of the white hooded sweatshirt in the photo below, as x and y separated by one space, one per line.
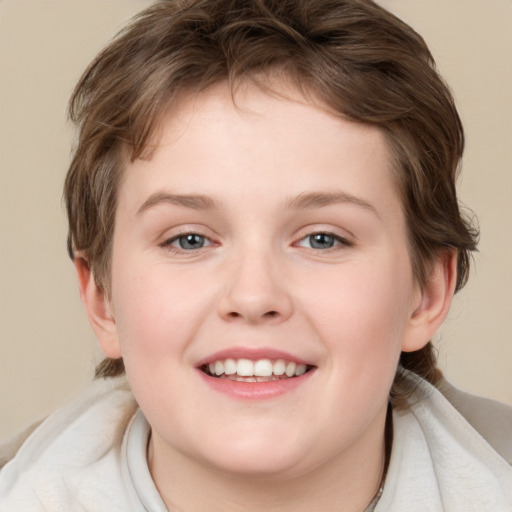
90 456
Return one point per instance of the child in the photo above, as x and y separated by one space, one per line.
266 233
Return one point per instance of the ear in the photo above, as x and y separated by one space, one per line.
433 303
98 309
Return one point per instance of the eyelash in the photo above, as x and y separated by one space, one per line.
168 243
336 239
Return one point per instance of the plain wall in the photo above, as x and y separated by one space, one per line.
47 350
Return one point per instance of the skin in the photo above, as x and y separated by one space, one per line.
259 283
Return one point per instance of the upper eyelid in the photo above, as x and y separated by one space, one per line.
172 238
322 232
346 239
332 228
177 231
319 231
342 240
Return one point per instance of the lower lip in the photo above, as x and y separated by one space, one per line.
255 390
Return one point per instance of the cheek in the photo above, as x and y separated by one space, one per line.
157 312
358 314
361 311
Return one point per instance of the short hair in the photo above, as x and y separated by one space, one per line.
363 62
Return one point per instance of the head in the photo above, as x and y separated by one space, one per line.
356 59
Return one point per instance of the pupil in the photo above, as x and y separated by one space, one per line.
191 241
321 241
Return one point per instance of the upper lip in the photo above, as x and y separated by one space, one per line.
253 354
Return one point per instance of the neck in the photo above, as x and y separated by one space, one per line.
348 482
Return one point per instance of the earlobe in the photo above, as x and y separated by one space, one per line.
435 298
98 309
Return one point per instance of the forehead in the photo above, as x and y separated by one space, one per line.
253 139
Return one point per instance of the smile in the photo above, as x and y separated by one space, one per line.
261 370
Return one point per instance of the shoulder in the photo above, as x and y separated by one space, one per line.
11 447
449 456
58 458
102 399
491 419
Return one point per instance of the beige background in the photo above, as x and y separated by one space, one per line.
47 350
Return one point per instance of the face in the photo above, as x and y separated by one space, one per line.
262 288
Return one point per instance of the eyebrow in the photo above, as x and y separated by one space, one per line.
304 201
309 200
195 202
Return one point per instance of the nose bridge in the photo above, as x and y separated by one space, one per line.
255 290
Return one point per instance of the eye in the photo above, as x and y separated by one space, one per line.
323 241
188 242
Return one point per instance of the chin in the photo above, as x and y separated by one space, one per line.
260 458
261 468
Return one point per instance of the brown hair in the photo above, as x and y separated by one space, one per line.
362 61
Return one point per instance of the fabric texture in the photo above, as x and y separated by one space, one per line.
440 462
91 456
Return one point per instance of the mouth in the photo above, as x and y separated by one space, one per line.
260 370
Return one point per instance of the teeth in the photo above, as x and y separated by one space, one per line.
290 369
279 367
300 370
219 367
262 370
245 368
230 366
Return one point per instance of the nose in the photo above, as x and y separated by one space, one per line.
256 291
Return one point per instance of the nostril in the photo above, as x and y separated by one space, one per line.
269 315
